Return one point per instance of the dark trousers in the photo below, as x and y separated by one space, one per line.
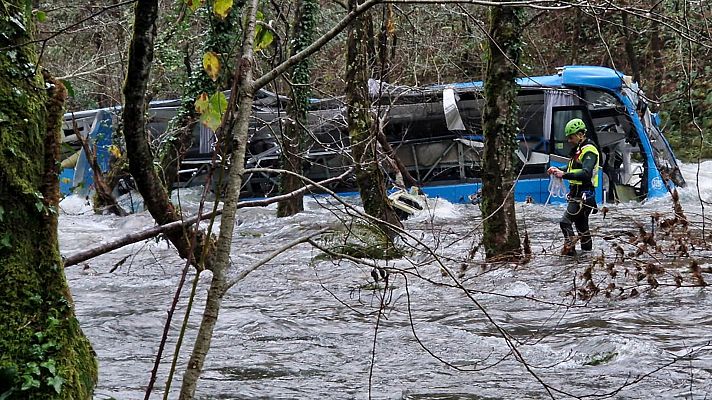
576 214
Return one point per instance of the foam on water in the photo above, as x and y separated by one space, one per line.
75 205
695 179
440 209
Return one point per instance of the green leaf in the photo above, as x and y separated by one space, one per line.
222 8
263 38
6 395
51 366
218 102
202 104
56 382
211 109
68 85
52 322
6 241
211 120
35 299
50 345
194 4
40 15
32 369
601 358
2 213
29 382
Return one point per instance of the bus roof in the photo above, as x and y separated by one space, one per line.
568 76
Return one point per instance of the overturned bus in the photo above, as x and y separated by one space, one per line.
436 133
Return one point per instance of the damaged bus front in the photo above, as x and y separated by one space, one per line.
437 132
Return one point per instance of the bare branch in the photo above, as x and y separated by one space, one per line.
271 256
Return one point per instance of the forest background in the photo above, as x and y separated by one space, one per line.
661 43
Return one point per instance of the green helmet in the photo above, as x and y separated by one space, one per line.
574 126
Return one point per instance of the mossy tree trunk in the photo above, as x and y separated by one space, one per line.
43 352
295 135
500 236
138 150
369 177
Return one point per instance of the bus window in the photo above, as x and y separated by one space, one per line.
560 117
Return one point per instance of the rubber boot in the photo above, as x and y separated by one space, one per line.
569 248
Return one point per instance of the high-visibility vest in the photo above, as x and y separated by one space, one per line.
575 164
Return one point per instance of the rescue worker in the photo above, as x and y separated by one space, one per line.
582 174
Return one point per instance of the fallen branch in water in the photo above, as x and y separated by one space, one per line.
131 238
103 248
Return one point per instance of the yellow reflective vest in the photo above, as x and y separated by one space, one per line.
575 164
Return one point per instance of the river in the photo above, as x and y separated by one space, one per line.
302 327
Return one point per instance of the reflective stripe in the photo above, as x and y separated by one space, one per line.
585 149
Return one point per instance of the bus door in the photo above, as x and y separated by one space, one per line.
560 149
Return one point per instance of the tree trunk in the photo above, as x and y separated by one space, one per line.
41 342
501 237
369 177
577 37
242 98
243 89
657 64
103 198
408 179
630 48
383 69
139 153
295 135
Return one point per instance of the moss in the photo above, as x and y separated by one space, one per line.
40 339
362 240
601 358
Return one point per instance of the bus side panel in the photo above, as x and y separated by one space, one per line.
101 139
531 190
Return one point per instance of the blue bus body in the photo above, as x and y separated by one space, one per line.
436 132
637 161
80 177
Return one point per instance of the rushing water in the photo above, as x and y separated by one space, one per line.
300 327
